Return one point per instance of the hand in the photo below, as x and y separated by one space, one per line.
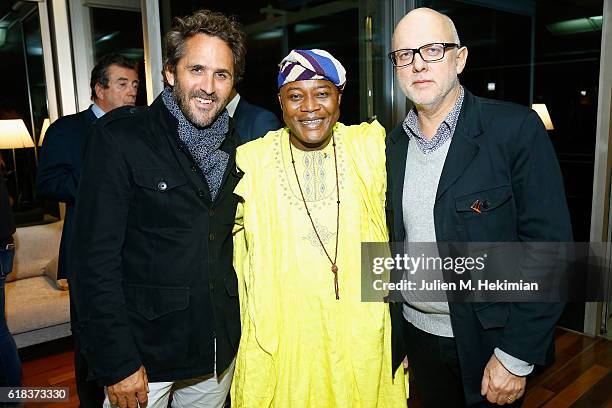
130 391
499 385
405 363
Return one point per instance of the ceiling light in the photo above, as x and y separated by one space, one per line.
107 37
576 26
2 36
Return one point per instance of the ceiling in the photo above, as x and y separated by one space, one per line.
12 12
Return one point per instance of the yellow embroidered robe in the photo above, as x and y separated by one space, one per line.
300 347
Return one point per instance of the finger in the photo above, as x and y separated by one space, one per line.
492 396
112 397
146 380
514 389
484 384
122 401
503 399
142 397
405 362
132 402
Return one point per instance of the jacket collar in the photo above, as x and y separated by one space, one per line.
463 147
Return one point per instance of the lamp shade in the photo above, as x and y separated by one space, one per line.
14 134
542 112
45 126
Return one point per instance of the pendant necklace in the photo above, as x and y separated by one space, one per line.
334 267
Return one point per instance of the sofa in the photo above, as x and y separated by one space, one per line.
36 309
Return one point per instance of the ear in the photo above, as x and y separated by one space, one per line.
280 101
339 97
462 55
99 94
169 75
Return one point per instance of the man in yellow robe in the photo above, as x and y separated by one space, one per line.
310 194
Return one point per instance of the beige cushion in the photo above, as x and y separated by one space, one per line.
35 247
51 268
34 303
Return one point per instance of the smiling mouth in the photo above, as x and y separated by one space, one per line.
204 101
311 122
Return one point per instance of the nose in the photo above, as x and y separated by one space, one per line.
133 90
418 64
309 104
207 83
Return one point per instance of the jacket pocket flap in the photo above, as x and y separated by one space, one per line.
492 315
153 302
159 179
488 199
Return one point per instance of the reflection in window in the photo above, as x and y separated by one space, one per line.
276 27
542 52
24 97
120 31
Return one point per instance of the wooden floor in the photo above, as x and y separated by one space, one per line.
581 376
50 365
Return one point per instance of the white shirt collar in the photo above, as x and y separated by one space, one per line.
231 106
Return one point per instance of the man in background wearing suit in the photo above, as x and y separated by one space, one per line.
467 169
251 121
114 83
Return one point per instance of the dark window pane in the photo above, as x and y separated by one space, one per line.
120 31
309 25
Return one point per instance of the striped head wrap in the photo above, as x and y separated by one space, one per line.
301 65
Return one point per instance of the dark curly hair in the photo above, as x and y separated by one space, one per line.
99 73
210 23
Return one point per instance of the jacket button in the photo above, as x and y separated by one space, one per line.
211 237
211 285
211 212
162 185
194 169
201 193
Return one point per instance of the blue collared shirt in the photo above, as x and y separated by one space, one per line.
97 110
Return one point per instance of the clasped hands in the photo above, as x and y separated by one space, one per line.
131 391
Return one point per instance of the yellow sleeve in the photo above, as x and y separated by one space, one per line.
241 189
369 148
241 252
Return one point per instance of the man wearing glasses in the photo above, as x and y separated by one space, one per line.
467 169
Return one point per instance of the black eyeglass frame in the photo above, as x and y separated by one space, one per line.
416 51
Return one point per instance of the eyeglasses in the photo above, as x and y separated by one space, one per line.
428 52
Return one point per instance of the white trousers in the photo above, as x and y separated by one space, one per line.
202 392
